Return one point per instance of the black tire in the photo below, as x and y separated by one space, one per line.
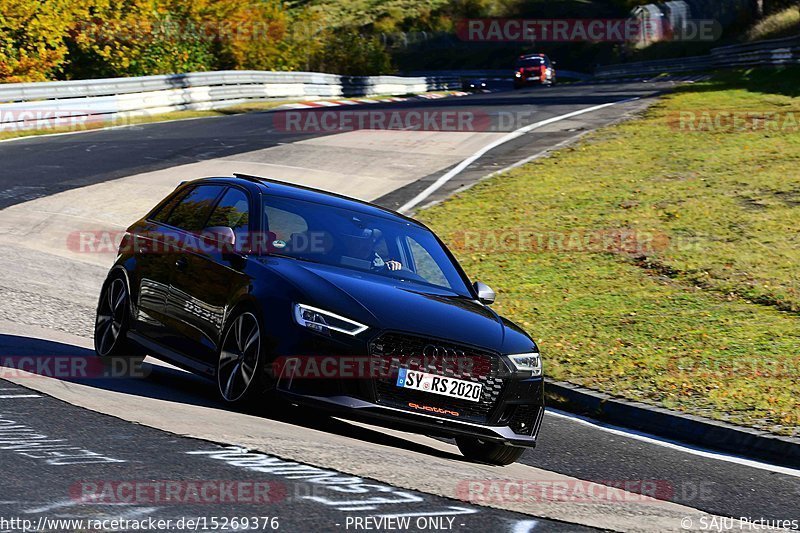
112 321
240 359
491 453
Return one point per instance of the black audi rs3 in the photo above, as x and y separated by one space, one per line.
279 292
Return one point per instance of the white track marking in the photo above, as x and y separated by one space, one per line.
524 526
673 445
9 396
59 504
521 162
453 510
436 185
537 155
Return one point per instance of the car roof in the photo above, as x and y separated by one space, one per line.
293 191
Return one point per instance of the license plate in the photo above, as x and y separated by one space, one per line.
455 388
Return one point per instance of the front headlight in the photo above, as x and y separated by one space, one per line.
528 362
323 321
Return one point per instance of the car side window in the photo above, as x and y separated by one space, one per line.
425 265
163 213
192 212
232 211
284 224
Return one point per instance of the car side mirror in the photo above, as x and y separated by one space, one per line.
222 235
485 293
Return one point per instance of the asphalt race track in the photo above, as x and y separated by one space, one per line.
164 425
86 487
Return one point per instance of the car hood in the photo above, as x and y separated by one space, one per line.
389 304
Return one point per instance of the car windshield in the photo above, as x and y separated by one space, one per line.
330 235
530 62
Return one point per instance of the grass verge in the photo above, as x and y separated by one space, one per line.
657 260
783 23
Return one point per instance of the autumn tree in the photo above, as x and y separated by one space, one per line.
32 32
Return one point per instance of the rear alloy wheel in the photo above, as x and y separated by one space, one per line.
488 452
239 358
111 323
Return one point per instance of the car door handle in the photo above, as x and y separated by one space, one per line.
181 263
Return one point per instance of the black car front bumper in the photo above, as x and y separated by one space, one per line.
433 425
510 410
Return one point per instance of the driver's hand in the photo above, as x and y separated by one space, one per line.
394 265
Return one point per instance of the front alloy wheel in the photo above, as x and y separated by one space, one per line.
239 358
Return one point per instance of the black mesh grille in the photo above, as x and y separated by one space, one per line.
445 359
523 419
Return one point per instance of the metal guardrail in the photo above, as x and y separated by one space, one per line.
774 52
497 74
37 105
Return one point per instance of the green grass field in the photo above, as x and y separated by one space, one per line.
696 309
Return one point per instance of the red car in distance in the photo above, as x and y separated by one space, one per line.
534 69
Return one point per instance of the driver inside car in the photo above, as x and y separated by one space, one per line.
378 262
365 246
391 264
